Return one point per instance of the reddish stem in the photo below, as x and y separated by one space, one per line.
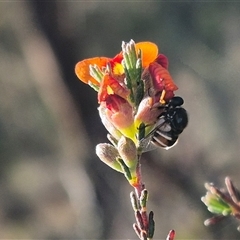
139 186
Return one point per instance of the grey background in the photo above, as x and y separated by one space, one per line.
52 186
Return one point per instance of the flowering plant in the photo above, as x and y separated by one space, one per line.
221 202
135 96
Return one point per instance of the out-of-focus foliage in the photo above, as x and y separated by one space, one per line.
52 184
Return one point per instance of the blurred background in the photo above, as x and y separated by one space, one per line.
52 185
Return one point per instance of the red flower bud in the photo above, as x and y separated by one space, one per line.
119 111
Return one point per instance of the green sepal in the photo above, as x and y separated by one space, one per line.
141 131
216 205
96 72
139 93
132 53
125 169
139 66
95 87
128 82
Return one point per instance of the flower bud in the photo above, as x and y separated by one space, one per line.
215 203
147 113
108 154
127 151
171 235
120 113
108 124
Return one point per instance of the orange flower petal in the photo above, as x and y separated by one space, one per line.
149 52
82 68
110 86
